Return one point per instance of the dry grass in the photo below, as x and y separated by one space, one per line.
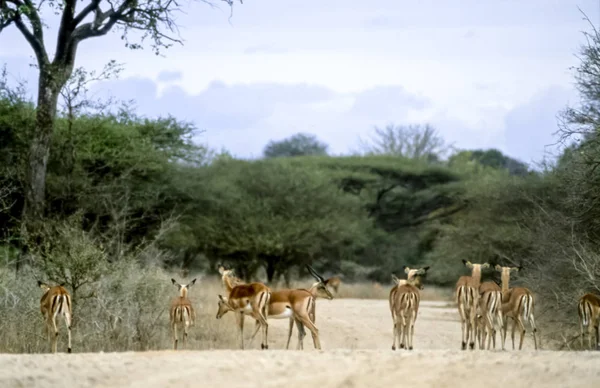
128 310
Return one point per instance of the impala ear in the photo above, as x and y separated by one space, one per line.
42 285
221 298
192 283
221 269
406 269
485 265
468 264
498 268
173 281
395 279
515 269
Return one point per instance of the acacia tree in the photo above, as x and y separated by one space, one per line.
152 20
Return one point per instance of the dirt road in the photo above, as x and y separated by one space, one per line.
356 336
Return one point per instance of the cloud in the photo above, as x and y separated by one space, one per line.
169 76
244 117
530 127
265 49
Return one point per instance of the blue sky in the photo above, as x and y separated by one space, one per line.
485 73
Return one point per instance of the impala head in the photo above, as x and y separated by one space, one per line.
475 268
321 283
183 289
225 272
414 276
223 306
43 286
506 271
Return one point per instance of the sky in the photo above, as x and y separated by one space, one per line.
486 74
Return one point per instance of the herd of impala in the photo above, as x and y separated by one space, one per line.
484 308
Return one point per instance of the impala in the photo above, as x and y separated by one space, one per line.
492 320
181 312
297 305
589 315
518 304
248 299
467 298
55 301
404 305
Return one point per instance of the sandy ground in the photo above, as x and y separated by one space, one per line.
356 336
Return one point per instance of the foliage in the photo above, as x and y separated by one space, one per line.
300 144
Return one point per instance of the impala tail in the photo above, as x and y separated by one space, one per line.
527 301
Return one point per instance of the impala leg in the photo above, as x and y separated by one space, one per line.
301 334
174 330
239 317
55 336
313 331
68 324
504 331
521 330
413 318
597 335
287 345
256 329
402 331
185 332
533 329
500 326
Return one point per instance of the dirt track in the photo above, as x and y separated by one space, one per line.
356 336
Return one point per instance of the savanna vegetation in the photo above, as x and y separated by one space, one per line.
126 201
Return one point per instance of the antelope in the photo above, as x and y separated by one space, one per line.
181 312
589 315
404 305
298 305
55 300
518 304
248 299
334 282
467 298
490 305
228 278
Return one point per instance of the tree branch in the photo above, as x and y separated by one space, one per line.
35 38
66 28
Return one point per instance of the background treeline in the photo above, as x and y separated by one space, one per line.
127 195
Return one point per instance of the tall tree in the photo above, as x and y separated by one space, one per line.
299 144
413 141
153 18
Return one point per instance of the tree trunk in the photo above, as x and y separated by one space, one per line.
270 270
39 150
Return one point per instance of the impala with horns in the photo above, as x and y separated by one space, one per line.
298 305
518 304
589 316
55 301
467 299
404 305
182 312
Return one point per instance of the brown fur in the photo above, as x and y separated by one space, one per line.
404 305
56 301
302 304
490 318
181 312
518 304
467 299
589 315
255 297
